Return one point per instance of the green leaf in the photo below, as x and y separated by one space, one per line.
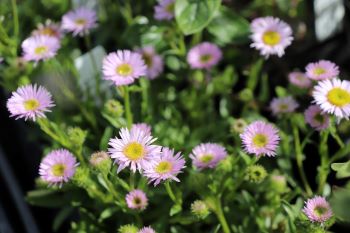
342 169
46 198
254 74
61 216
175 209
194 15
105 138
340 202
229 27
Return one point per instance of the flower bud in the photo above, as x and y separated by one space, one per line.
238 125
200 209
256 173
278 183
129 228
101 161
113 108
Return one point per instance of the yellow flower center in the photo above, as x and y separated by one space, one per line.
40 50
338 97
31 104
319 71
206 158
134 151
58 169
205 58
80 21
124 69
148 59
271 38
137 201
163 167
260 140
170 8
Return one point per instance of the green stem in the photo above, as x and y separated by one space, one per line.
111 188
324 167
170 192
299 159
221 217
338 139
132 180
127 106
94 64
145 98
15 19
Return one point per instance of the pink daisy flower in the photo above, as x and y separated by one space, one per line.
58 167
283 105
41 47
299 79
79 21
270 36
137 200
333 97
134 148
207 155
317 209
322 70
50 29
260 138
164 10
204 56
30 102
123 67
153 61
143 127
147 230
166 166
316 118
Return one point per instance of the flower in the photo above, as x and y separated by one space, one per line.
260 138
299 79
204 56
143 127
207 155
30 102
136 199
40 47
317 209
270 35
164 167
134 148
147 230
50 29
123 67
164 10
153 61
333 97
283 105
322 70
316 118
79 21
58 167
